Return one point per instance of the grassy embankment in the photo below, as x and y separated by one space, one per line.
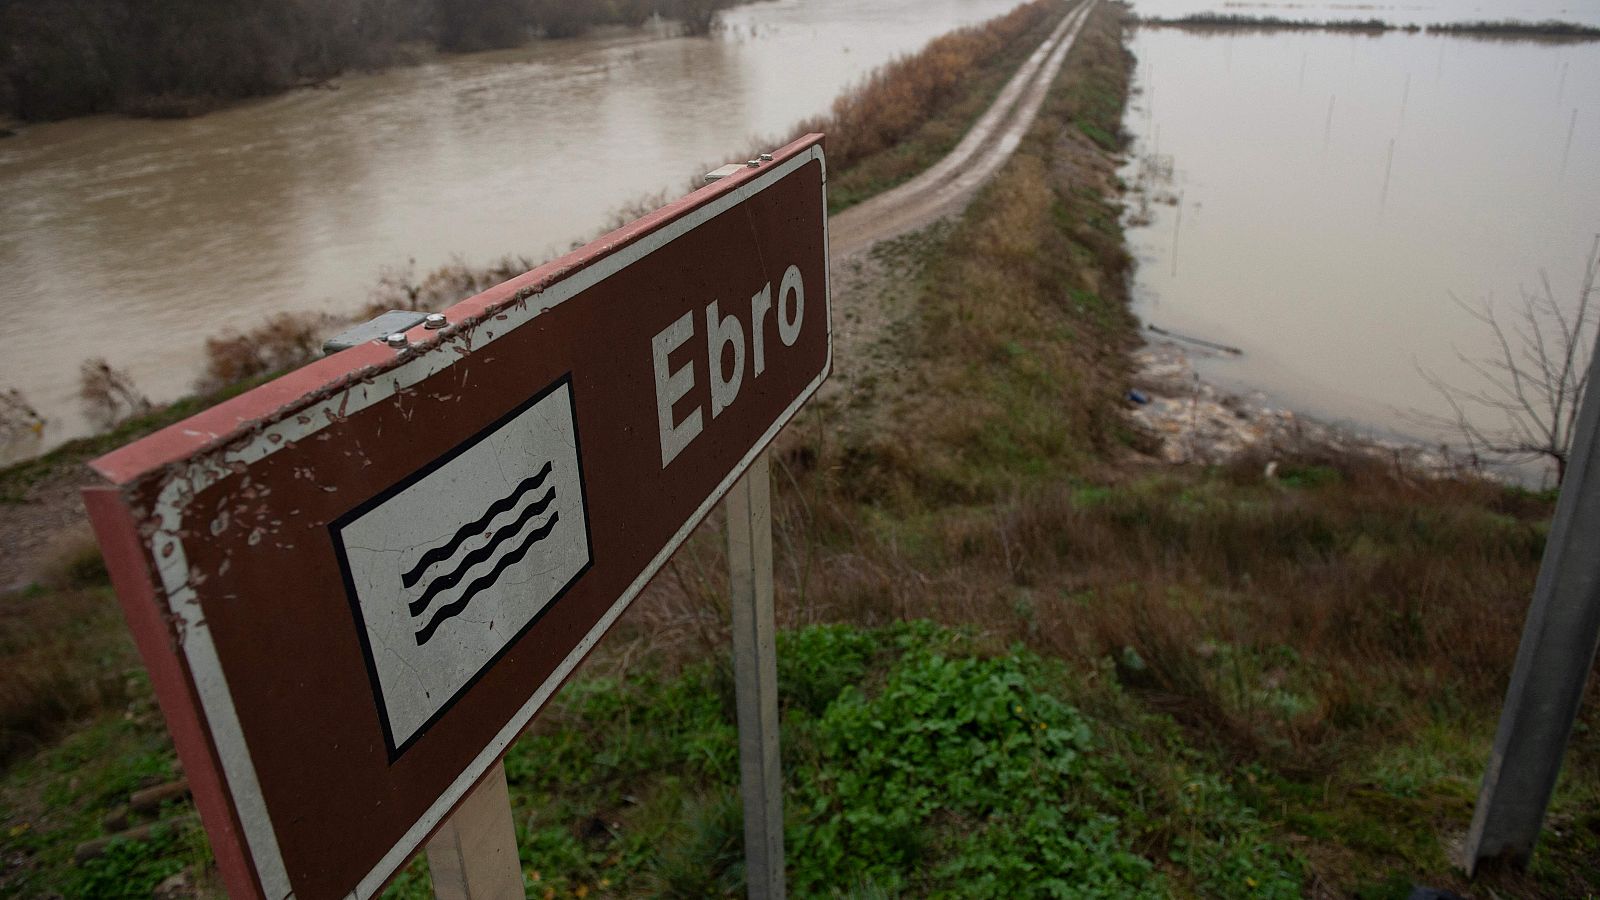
1508 29
1143 680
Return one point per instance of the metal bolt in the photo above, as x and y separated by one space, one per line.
754 163
435 321
766 157
397 341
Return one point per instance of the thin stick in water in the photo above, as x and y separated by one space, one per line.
1388 164
1176 225
1405 98
1571 127
1327 127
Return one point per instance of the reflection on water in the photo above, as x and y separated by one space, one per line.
1335 191
135 240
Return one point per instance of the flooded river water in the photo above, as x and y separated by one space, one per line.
1329 194
1333 191
135 240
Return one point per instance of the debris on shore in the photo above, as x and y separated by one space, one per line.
1197 422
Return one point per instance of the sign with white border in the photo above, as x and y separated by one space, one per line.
355 585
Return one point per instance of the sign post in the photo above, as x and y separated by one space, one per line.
755 671
1553 662
354 586
473 855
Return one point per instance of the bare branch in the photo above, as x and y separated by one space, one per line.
1530 389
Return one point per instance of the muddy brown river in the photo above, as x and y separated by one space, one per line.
1332 191
1321 198
135 240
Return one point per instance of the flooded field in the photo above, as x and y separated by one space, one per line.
136 240
1406 12
1316 200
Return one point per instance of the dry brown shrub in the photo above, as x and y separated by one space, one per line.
63 655
108 395
18 418
284 341
400 288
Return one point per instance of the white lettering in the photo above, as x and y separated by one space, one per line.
725 369
720 332
760 305
671 386
789 326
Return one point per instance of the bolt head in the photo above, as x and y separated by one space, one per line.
766 157
754 163
397 341
435 320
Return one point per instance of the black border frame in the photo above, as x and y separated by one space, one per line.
336 527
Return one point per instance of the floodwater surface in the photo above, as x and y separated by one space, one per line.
136 240
1335 192
1405 12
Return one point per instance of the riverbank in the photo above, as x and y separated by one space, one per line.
1019 651
1508 29
1198 422
167 60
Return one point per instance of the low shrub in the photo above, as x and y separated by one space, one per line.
283 341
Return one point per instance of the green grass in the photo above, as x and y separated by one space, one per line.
918 762
58 799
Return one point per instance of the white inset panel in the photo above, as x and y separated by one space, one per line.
450 566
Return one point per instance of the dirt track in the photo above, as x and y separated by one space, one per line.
865 301
950 183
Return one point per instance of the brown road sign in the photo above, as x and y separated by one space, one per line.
355 585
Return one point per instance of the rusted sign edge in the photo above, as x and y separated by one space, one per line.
185 458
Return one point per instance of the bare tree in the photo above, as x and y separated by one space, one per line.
1526 404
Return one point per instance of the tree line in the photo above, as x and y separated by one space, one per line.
62 58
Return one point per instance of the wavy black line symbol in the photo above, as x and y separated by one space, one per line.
442 553
454 608
451 579
504 547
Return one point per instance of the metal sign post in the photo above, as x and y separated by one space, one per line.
755 670
1553 663
355 586
473 855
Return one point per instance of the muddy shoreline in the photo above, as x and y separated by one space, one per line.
1199 422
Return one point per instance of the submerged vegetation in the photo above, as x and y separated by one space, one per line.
1235 22
1549 29
1510 28
1020 657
